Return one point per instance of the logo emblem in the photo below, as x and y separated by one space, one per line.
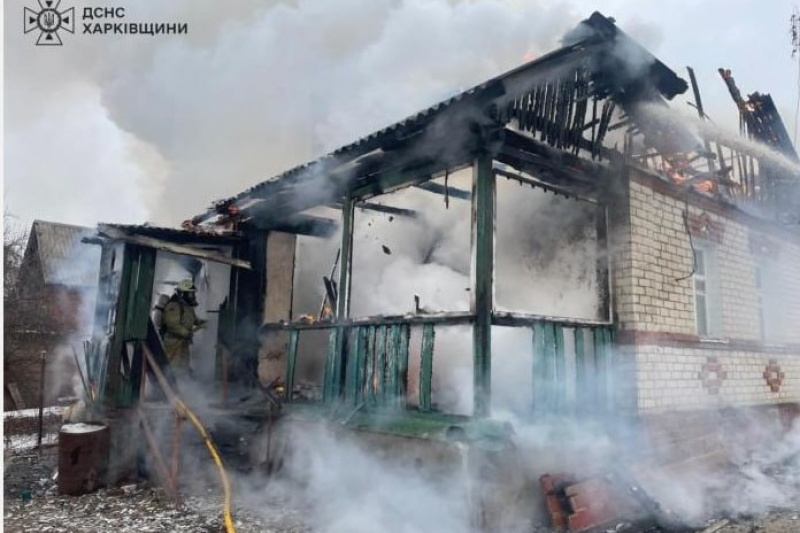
49 21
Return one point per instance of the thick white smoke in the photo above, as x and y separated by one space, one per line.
255 88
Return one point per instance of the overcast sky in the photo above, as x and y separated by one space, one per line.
141 128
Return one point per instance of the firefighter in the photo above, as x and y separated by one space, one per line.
158 313
180 325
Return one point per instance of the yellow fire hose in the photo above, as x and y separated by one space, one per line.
182 410
212 449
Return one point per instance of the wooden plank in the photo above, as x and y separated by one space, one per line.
369 388
453 319
16 396
111 380
551 369
451 192
329 390
402 364
345 267
380 365
176 454
560 375
291 363
539 370
158 244
353 365
426 367
504 318
482 304
140 299
582 397
299 224
611 386
601 367
392 355
159 463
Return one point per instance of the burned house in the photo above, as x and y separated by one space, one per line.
555 242
54 294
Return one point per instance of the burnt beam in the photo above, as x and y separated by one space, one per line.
483 217
550 174
301 225
451 192
532 146
381 208
562 190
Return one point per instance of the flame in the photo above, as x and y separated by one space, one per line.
675 171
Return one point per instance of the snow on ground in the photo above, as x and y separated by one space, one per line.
33 413
21 443
31 504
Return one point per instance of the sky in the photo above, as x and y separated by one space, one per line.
135 129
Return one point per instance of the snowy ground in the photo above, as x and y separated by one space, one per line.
139 508
129 509
31 504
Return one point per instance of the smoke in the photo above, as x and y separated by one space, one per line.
75 292
253 89
161 127
692 126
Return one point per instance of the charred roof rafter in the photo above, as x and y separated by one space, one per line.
562 83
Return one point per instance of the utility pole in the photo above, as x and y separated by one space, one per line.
43 357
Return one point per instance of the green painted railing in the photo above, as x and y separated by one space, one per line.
367 364
591 353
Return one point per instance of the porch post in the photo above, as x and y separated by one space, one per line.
336 343
483 203
346 260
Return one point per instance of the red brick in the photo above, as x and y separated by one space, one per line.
588 519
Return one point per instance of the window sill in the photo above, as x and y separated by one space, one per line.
714 340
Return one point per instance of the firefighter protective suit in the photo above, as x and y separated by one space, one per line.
180 324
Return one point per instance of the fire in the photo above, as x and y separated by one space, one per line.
675 170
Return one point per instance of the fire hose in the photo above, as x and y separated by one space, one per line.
212 449
183 410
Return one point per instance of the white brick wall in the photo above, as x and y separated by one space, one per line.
668 378
651 296
652 254
659 255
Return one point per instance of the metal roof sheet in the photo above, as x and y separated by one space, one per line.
65 260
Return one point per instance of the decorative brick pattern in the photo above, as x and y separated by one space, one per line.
712 375
773 375
667 378
671 367
702 226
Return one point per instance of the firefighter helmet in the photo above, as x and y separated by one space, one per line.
186 285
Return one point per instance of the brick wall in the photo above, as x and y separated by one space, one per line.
685 378
22 366
674 368
657 300
43 318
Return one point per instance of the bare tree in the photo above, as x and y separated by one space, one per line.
15 239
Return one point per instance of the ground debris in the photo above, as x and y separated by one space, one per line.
138 510
31 503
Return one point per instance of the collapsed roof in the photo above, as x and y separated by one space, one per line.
549 117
